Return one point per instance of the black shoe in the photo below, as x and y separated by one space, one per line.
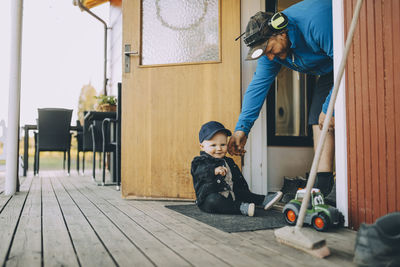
331 198
379 244
289 189
324 182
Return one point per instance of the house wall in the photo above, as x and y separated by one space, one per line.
115 49
373 105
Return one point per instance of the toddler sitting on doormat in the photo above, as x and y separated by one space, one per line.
219 184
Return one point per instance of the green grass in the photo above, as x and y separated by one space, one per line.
54 161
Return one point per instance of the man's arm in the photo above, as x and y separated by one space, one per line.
256 93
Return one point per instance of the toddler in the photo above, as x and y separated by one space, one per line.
219 184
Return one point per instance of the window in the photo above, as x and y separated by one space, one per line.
180 31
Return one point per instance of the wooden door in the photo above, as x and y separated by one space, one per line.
165 105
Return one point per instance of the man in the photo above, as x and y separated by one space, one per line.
299 38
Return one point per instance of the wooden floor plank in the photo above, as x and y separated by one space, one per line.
89 248
4 198
58 249
124 252
9 218
148 243
266 239
186 248
2 182
26 249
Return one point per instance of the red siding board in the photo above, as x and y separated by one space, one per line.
381 110
359 124
396 76
364 59
350 96
372 85
373 101
388 55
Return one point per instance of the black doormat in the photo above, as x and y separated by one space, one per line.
263 219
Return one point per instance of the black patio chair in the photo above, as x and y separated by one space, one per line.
91 141
79 143
112 141
53 133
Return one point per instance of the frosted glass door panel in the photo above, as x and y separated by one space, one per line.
179 31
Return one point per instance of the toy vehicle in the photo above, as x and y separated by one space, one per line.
320 215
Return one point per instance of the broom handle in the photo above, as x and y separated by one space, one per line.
321 141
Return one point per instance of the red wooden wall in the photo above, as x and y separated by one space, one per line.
373 111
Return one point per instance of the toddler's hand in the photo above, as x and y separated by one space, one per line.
221 170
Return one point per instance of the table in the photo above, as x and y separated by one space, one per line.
27 128
100 115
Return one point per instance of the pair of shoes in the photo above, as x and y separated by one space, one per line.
331 198
271 198
290 187
378 244
247 209
324 182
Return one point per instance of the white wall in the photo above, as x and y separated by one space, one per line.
254 167
115 49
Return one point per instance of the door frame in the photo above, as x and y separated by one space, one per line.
340 114
256 161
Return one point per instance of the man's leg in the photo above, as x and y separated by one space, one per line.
328 152
324 180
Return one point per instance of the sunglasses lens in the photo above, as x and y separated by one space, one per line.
257 53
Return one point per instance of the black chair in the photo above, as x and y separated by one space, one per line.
53 133
112 141
79 143
91 141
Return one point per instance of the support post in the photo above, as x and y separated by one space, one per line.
14 98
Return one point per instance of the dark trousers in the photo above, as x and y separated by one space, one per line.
217 203
320 92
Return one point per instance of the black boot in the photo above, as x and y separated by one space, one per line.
324 182
331 198
289 189
378 244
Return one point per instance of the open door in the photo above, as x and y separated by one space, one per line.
186 72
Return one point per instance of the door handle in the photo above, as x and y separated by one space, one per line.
127 55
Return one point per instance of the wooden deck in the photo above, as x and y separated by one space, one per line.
69 221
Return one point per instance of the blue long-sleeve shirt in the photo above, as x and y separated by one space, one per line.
311 52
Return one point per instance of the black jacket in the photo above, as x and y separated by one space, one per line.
206 182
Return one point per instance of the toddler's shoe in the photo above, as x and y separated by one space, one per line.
271 198
247 209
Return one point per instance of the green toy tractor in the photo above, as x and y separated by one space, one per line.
320 215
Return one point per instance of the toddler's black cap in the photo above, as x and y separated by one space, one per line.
210 128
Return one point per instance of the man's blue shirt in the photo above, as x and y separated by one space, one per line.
311 52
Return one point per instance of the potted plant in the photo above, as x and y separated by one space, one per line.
106 103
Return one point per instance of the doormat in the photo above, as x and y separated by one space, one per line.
263 219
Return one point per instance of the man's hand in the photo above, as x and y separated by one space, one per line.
221 170
236 143
322 119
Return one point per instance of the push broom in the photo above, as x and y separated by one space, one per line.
304 238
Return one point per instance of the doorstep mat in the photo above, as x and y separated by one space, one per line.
263 219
